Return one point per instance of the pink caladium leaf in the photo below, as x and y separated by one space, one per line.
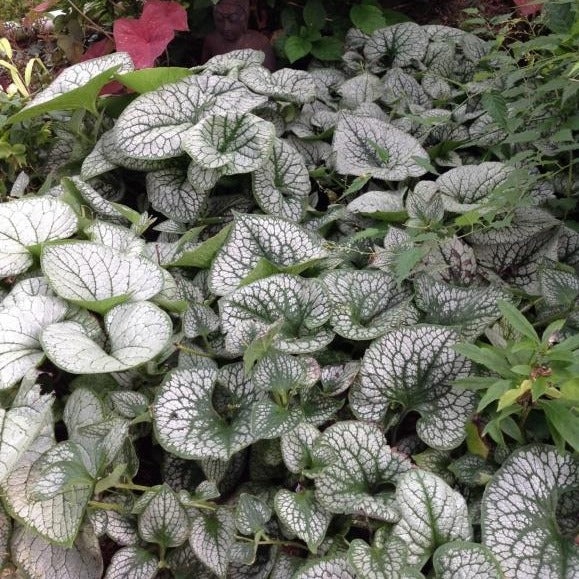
144 39
171 12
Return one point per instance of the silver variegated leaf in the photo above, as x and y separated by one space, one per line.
22 422
467 310
132 563
229 144
152 126
57 519
559 288
523 522
402 89
137 332
460 559
378 203
330 568
297 445
27 223
301 304
171 194
363 88
128 403
187 423
41 560
164 521
338 378
367 304
302 515
251 514
282 184
286 84
415 367
97 277
385 559
397 45
432 514
212 537
21 324
199 320
99 202
277 372
78 75
257 237
365 146
361 471
468 187
231 62
116 237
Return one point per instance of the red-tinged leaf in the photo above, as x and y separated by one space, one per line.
144 40
46 5
527 7
162 11
100 48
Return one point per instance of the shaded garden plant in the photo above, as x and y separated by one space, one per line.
262 279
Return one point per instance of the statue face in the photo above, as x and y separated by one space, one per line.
231 23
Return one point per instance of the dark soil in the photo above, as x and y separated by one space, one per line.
447 12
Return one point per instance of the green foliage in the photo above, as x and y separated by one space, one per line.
290 324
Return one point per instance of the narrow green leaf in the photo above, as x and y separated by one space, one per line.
518 321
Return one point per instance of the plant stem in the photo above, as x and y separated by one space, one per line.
132 487
105 506
273 542
91 22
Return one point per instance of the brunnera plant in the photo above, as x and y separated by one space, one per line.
228 332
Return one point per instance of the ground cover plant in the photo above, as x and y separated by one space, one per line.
295 324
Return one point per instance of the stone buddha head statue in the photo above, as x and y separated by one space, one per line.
231 18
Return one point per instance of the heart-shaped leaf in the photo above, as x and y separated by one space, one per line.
57 519
468 187
170 192
187 423
152 126
361 471
463 557
301 514
467 310
396 45
39 559
414 367
137 332
27 223
21 324
432 514
336 568
164 521
286 84
98 277
20 424
282 184
251 514
132 562
529 513
212 537
255 237
365 146
367 304
301 304
228 144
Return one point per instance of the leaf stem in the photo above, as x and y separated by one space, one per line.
132 487
272 542
105 506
